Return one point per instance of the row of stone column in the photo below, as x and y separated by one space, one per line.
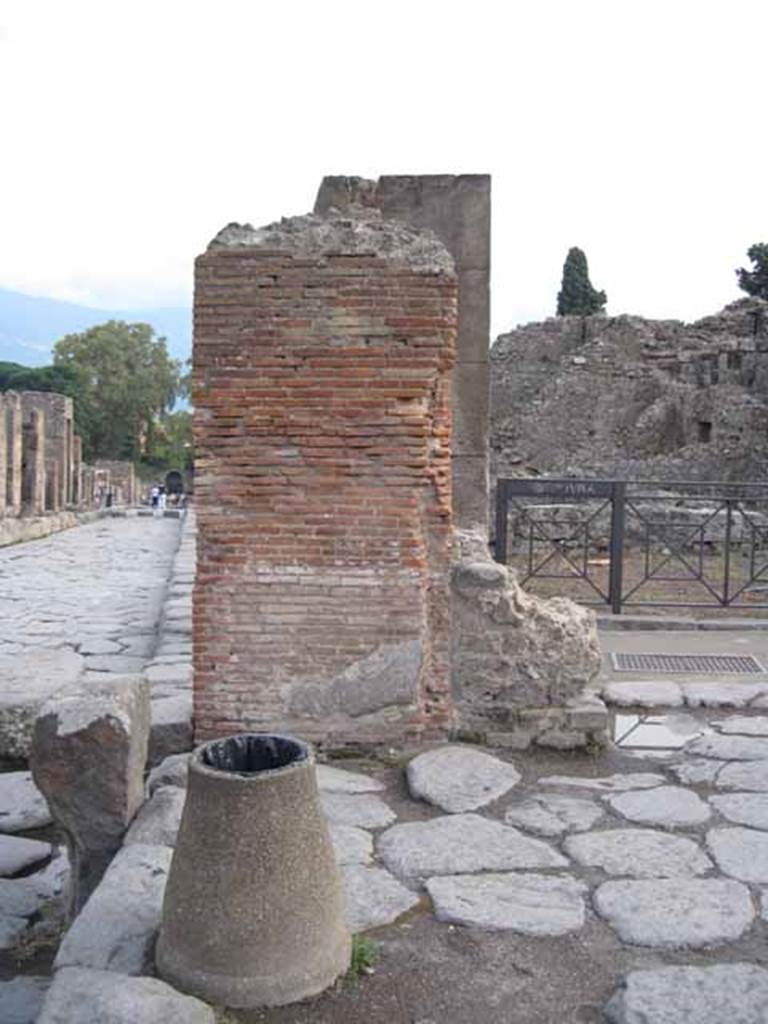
41 459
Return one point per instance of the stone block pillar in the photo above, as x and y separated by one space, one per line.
13 453
33 464
458 209
322 357
77 470
3 456
58 411
52 489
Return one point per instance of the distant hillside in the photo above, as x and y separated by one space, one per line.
31 326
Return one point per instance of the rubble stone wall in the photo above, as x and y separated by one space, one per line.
59 414
322 357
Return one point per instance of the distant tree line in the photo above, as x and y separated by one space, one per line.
124 385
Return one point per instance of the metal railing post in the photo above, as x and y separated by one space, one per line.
616 571
500 546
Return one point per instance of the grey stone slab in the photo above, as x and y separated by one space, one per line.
730 748
117 664
552 815
526 903
747 775
373 897
459 779
99 645
22 998
676 912
18 899
638 853
351 845
362 810
177 673
696 771
743 808
618 783
171 731
742 725
461 844
102 997
26 682
740 852
736 993
116 929
157 823
17 853
669 806
172 771
22 805
337 780
722 695
643 695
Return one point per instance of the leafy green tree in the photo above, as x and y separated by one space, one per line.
170 444
755 281
577 297
64 380
126 381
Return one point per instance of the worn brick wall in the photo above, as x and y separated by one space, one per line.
323 485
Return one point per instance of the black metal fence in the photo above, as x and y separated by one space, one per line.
637 543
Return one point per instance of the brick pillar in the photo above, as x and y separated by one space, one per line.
33 464
323 484
13 453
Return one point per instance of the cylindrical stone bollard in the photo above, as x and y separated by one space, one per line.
253 912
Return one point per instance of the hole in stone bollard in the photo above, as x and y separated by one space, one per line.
250 753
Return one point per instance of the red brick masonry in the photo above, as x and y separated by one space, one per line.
322 429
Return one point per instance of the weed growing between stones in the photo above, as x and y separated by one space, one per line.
365 954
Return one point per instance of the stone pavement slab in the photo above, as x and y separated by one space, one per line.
22 805
22 998
669 806
552 815
740 852
638 853
373 897
743 808
459 778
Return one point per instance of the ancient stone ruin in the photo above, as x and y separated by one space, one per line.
333 597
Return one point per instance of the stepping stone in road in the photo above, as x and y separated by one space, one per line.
666 805
610 784
638 853
551 815
461 844
752 776
17 853
336 780
22 805
525 903
692 995
458 779
740 852
730 748
676 912
364 810
373 897
743 808
643 695
742 725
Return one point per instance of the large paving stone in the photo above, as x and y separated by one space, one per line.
364 810
116 929
743 808
676 912
336 780
752 776
742 725
373 897
740 852
351 845
17 853
638 853
459 779
729 748
696 771
735 993
88 757
22 998
461 844
103 997
609 784
643 695
26 682
666 805
551 815
22 805
722 695
157 823
526 903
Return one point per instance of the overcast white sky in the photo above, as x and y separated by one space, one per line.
132 131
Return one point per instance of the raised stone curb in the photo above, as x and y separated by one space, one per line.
525 903
643 695
157 823
458 779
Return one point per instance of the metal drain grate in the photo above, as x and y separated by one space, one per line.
741 664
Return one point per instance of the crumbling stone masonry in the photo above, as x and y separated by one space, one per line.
322 357
120 478
59 430
33 464
12 447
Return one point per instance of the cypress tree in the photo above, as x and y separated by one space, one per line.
577 297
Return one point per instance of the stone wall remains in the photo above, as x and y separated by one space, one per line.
322 357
